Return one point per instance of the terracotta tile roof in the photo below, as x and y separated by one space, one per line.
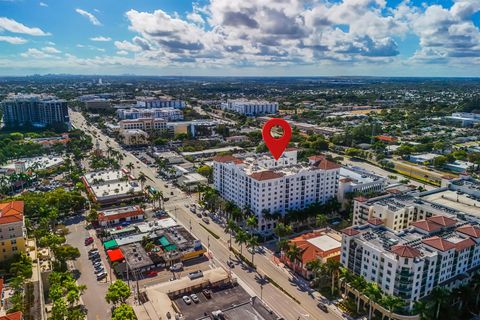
386 138
225 159
13 316
469 230
405 251
132 213
443 221
439 243
310 251
350 231
464 244
427 225
360 199
375 221
327 165
11 212
319 157
266 175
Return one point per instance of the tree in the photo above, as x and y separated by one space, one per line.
359 283
332 267
118 292
21 266
252 223
253 244
392 303
281 230
142 178
123 312
130 166
439 296
440 161
321 220
373 293
64 253
230 227
422 309
241 238
293 254
206 171
314 266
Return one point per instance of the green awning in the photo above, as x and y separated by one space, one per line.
164 241
111 244
170 247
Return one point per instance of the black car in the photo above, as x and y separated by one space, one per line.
322 307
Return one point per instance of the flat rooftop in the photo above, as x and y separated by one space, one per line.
325 242
136 256
116 189
359 176
43 162
115 211
103 176
455 200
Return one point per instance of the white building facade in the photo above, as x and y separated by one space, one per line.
151 103
169 114
251 107
265 185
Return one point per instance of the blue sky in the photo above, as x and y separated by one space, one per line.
247 37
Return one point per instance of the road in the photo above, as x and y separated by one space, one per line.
271 295
94 296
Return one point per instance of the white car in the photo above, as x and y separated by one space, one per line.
194 298
187 299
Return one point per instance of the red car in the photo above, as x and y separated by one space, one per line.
88 241
152 274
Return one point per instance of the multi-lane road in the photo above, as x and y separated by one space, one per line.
177 207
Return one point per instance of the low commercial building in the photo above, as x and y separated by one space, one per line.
118 215
13 233
357 181
439 251
321 245
191 181
51 141
465 119
36 163
210 152
145 124
111 187
134 137
422 158
459 166
152 102
169 114
251 107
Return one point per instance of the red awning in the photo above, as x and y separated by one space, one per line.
115 255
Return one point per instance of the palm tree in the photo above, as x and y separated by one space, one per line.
314 266
252 244
252 222
229 207
230 227
332 267
142 178
359 283
130 166
476 284
373 293
321 220
439 296
345 276
293 254
281 230
241 238
422 309
392 303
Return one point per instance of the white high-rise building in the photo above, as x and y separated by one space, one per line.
437 251
251 107
267 185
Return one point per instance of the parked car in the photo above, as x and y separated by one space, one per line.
101 276
152 273
187 299
96 264
207 293
230 264
99 270
194 298
206 220
94 256
176 267
88 241
322 307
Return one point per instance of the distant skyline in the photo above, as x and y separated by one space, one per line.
431 38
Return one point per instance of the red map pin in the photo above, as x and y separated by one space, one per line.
276 146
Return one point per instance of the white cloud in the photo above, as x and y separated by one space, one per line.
127 46
13 40
80 46
89 16
101 39
50 50
43 4
36 54
50 43
122 52
17 27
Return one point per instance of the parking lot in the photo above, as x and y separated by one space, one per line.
220 299
164 275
